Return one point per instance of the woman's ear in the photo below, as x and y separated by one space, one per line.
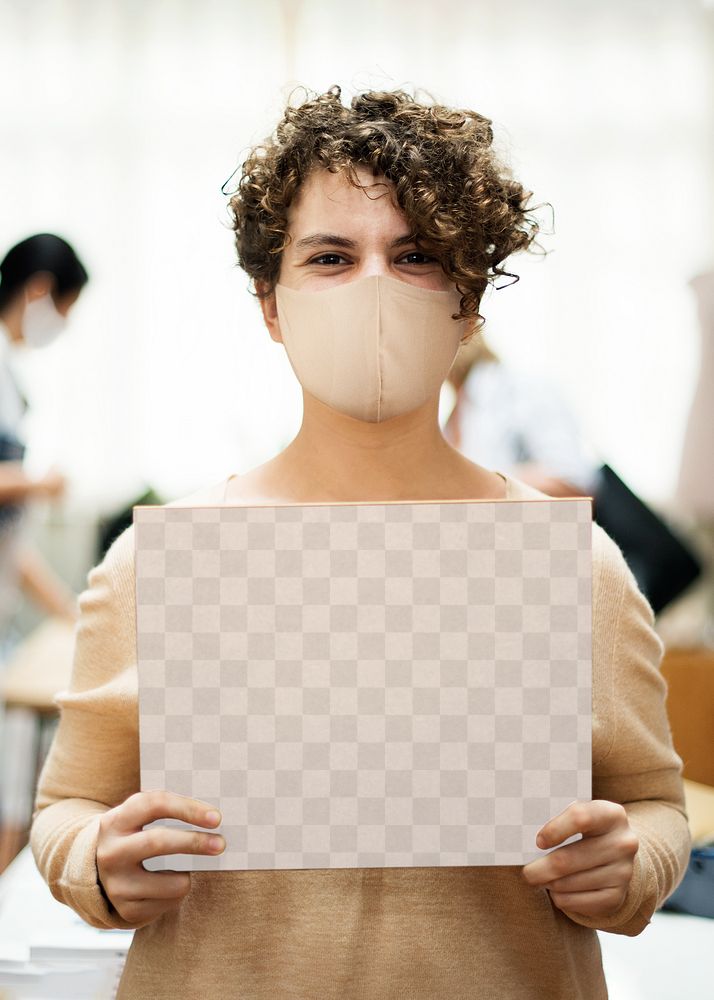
269 308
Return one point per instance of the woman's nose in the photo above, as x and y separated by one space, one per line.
374 265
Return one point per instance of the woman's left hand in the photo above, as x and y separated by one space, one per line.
591 876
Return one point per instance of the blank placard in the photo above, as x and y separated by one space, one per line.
366 685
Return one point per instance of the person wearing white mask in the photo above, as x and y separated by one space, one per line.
370 233
40 280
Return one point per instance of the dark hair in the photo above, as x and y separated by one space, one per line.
42 252
459 199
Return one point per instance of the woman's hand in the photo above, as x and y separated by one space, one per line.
139 896
590 876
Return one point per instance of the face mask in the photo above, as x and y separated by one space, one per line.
41 323
374 348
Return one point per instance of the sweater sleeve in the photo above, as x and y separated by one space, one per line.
639 767
93 763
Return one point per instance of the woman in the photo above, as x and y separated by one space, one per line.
355 223
40 281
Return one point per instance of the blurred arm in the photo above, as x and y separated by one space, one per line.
15 484
40 582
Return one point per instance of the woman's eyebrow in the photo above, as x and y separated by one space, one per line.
331 239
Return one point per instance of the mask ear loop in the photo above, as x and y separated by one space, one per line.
471 332
470 327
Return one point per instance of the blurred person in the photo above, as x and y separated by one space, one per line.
518 422
40 280
383 222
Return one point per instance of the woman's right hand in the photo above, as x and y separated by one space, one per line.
137 895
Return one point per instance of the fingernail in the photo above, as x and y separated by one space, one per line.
216 843
213 817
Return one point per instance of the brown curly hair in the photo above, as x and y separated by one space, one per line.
459 200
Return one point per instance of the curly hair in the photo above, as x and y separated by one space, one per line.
460 201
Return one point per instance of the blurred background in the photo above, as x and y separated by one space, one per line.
121 120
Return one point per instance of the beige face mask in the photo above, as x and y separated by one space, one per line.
373 348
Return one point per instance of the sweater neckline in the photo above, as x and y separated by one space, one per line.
507 480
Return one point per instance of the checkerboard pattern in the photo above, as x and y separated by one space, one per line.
366 685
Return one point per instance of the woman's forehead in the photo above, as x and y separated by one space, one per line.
327 197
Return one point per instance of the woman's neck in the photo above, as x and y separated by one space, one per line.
336 458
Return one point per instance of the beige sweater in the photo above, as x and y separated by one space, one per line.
397 933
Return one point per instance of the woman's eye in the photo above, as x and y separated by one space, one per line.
328 259
417 257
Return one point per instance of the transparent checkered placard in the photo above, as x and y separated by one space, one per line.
366 685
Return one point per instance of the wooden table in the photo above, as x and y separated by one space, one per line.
690 705
40 666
